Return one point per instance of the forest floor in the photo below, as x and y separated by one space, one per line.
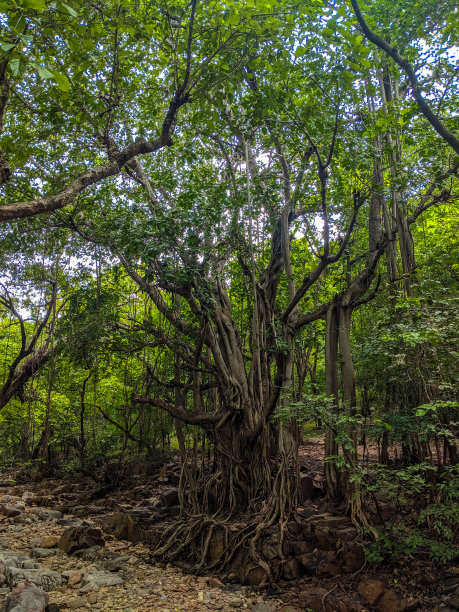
122 576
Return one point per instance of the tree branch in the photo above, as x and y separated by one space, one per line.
422 103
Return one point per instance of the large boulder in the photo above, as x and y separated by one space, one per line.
80 537
26 597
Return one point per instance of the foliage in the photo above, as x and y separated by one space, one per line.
425 512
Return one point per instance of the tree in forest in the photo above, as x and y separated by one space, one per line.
279 169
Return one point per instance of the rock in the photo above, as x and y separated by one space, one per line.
313 598
50 542
9 511
122 525
42 552
371 590
27 496
2 579
204 596
88 588
103 579
47 579
302 547
80 537
263 607
114 565
75 578
270 547
29 564
46 514
235 602
391 601
78 602
291 569
255 575
294 528
170 497
10 499
18 568
92 598
26 597
316 561
215 583
306 488
52 607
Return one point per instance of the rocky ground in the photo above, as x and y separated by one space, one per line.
80 549
113 577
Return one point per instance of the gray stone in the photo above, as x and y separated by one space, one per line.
9 511
263 607
78 602
17 568
103 579
90 587
10 499
29 564
47 579
27 496
42 552
46 514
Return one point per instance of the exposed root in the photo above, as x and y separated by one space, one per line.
222 535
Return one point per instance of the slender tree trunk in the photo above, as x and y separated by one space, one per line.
332 476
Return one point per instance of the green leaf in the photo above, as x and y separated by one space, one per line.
300 51
19 25
6 46
61 80
70 10
18 66
42 71
36 5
